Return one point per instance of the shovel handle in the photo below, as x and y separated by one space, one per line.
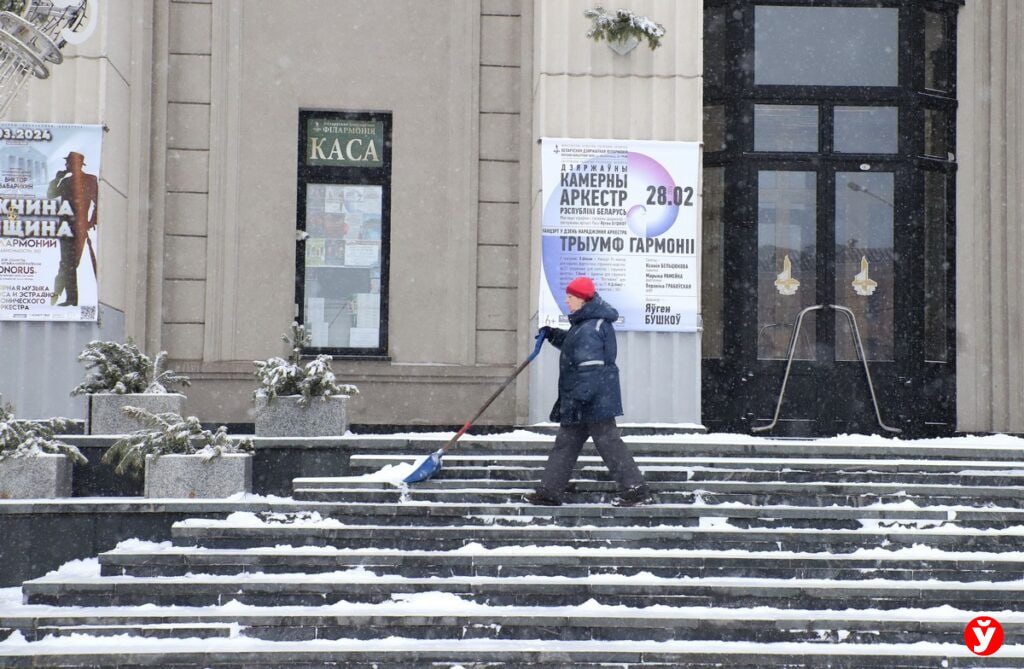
536 350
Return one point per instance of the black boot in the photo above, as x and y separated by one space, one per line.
541 497
635 496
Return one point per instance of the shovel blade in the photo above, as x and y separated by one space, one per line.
426 468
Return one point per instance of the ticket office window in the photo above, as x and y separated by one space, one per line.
343 219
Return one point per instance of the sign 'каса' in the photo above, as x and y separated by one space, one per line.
344 143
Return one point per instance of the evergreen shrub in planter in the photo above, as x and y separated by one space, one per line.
300 400
33 462
121 375
179 458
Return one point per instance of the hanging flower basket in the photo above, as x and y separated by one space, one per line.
623 29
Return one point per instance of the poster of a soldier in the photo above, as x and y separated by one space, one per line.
49 216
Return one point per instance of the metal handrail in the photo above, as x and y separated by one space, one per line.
860 354
768 326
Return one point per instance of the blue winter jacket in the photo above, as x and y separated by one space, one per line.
588 379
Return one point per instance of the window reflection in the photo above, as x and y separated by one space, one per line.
785 128
714 46
712 261
864 263
343 264
866 130
825 46
935 126
936 53
786 271
714 128
936 268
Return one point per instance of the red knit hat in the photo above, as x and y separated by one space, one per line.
582 287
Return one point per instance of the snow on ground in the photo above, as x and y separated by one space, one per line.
473 549
690 433
438 603
16 645
706 524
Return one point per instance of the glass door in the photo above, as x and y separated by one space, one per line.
787 253
825 238
829 179
865 276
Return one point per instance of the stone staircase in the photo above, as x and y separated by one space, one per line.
855 552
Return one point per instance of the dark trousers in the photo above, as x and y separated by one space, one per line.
568 444
71 251
67 273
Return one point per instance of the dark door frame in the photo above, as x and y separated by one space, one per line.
917 392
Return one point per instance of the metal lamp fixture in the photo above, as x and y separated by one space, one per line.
31 40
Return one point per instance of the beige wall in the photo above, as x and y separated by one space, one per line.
990 209
586 90
322 60
237 74
201 100
470 94
104 81
197 242
209 92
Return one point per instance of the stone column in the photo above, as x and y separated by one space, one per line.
990 237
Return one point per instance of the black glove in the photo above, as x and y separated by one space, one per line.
546 331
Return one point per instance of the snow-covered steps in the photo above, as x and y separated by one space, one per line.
781 479
714 561
827 494
248 530
916 563
518 465
415 653
64 625
758 554
636 591
438 616
992 448
518 513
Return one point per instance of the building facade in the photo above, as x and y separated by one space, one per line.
372 169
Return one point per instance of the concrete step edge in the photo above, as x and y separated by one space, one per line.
363 615
611 583
81 652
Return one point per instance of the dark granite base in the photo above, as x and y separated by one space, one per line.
276 462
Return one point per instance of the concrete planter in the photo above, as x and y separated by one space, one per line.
106 417
47 475
189 477
285 417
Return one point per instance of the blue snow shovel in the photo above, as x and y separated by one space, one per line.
431 464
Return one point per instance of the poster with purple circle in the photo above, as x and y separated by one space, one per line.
627 214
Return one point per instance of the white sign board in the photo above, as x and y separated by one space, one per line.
627 214
49 213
